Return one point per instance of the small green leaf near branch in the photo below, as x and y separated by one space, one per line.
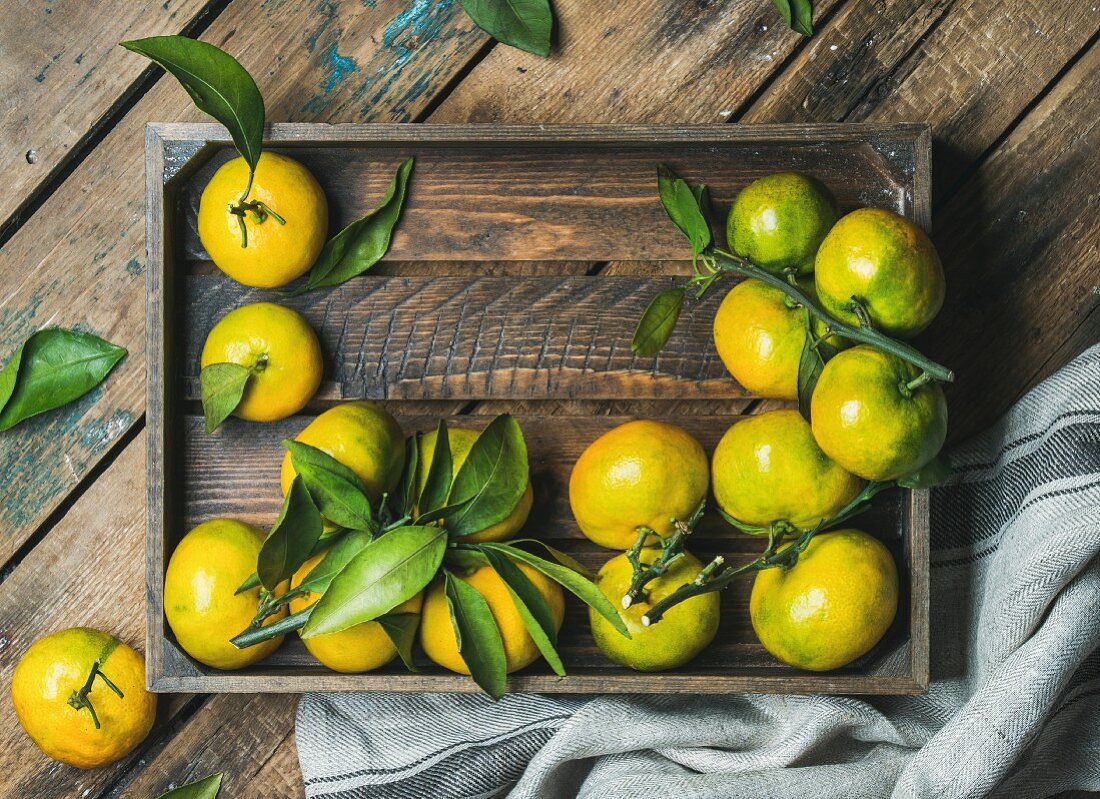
206 788
52 368
524 24
337 490
492 479
658 322
292 539
684 207
222 386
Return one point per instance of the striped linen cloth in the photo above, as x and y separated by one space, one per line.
1013 710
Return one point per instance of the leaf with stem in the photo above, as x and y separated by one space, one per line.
257 632
523 24
327 540
492 479
479 641
52 368
386 572
292 539
222 387
339 493
401 630
578 585
658 322
338 556
798 14
360 245
682 205
206 788
531 606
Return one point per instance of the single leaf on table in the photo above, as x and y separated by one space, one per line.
339 493
581 587
492 478
292 539
682 206
798 14
206 788
479 641
524 24
386 572
222 386
401 630
437 484
52 368
360 245
217 84
658 322
531 606
933 473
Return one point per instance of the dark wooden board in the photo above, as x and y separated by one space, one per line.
512 195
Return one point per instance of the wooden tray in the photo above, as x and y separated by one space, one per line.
452 318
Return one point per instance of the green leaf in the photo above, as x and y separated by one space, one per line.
479 640
206 788
581 587
702 198
360 245
339 493
524 24
388 571
222 386
657 323
53 367
292 539
531 606
810 364
327 540
334 561
933 473
558 555
401 629
682 206
492 479
798 14
440 474
403 501
217 83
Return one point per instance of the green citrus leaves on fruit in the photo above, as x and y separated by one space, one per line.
681 634
868 420
768 468
832 606
778 221
642 473
888 264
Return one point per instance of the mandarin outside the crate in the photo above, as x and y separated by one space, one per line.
888 264
681 634
361 648
282 350
46 689
832 606
642 473
872 414
437 635
778 221
461 441
768 468
276 252
200 599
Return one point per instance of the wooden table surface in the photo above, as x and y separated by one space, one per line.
1009 86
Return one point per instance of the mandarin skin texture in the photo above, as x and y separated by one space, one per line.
864 419
778 221
769 468
888 264
832 606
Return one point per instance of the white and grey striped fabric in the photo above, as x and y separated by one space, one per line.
1013 711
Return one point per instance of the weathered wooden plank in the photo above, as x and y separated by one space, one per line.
61 72
79 261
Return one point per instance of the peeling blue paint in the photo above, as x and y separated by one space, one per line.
370 3
41 76
416 18
328 9
133 267
339 67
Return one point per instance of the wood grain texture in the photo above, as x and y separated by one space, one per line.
80 259
61 72
235 473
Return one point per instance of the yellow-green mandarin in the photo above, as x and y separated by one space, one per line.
200 603
461 441
56 666
276 253
285 350
768 468
832 606
866 419
642 473
437 635
778 221
888 264
681 634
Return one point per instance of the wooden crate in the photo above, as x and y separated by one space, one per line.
454 319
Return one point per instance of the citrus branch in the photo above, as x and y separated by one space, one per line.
671 550
79 700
